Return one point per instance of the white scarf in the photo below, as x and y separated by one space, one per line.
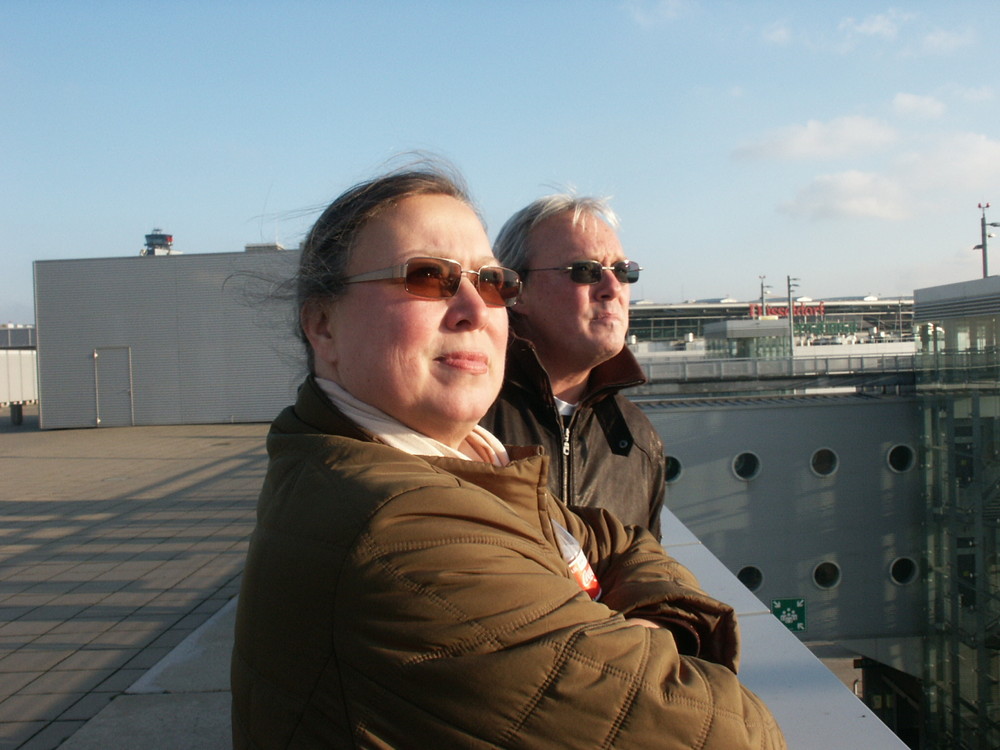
479 445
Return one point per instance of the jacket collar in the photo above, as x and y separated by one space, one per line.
525 370
314 412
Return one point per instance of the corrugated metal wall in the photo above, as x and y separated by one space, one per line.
180 339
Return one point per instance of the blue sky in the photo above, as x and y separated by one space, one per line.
847 144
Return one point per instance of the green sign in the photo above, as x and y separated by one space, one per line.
792 612
827 328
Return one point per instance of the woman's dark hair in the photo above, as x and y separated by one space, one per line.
328 246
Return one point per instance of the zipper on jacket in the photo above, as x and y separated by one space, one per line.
565 464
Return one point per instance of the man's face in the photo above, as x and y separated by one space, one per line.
573 326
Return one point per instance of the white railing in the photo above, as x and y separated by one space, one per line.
687 369
814 708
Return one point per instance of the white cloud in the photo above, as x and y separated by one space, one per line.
981 94
944 42
921 106
849 194
777 33
843 136
961 164
882 25
651 12
969 162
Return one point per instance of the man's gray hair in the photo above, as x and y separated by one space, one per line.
511 245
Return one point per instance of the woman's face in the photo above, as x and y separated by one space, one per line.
436 365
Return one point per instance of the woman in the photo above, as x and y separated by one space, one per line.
405 586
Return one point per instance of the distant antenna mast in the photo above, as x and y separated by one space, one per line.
985 236
263 213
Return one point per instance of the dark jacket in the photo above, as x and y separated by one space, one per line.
607 456
399 601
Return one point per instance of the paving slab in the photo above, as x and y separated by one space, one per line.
186 721
117 545
182 702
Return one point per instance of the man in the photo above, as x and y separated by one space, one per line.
567 360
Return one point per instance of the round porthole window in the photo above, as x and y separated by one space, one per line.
903 570
826 575
901 458
746 465
673 469
751 577
824 462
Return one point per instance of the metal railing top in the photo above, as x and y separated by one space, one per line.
660 369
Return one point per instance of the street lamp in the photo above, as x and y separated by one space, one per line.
983 225
791 313
763 308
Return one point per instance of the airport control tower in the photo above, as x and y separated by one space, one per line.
158 242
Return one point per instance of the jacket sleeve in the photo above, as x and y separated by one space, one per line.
638 579
472 600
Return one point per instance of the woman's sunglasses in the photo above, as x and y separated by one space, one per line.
439 278
591 271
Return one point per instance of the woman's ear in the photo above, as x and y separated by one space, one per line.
316 319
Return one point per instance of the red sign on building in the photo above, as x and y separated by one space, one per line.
802 310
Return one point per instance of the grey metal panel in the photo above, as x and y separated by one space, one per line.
243 352
987 287
788 519
17 337
959 308
204 347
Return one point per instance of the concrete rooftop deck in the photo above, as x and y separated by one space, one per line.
121 557
117 545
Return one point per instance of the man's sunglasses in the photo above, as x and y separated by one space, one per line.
591 271
439 278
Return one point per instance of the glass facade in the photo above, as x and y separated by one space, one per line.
959 387
754 347
673 322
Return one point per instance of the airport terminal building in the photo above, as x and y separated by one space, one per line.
826 321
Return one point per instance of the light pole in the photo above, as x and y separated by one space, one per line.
983 225
763 308
791 313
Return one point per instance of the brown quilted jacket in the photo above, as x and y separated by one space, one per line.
397 601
